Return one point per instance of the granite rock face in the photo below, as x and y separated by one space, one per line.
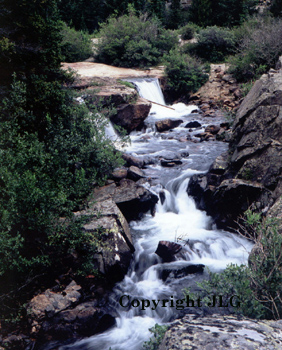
250 175
222 332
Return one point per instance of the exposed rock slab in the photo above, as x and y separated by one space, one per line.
92 69
132 199
251 174
222 332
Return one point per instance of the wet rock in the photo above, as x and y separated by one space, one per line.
132 160
132 116
194 124
84 320
167 124
15 342
168 163
162 196
135 173
181 272
222 332
212 129
134 200
166 250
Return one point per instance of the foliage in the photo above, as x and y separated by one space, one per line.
213 44
188 31
158 334
258 286
276 8
184 74
76 45
258 50
52 152
132 41
226 13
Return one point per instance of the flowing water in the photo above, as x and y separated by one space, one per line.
143 293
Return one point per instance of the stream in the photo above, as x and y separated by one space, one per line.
145 297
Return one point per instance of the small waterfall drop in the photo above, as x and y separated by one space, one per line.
149 89
176 220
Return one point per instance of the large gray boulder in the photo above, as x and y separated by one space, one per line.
251 174
222 332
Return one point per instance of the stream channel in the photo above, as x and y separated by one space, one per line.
176 219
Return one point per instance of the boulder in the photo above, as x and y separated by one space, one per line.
222 332
166 250
49 303
212 129
135 173
119 174
181 272
132 116
134 200
167 124
84 320
170 162
104 218
193 124
251 176
132 160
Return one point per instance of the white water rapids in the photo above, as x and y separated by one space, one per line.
176 219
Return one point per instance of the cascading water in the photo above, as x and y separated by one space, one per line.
176 218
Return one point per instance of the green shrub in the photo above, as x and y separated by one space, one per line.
188 31
259 49
213 44
132 41
76 45
259 285
184 74
158 334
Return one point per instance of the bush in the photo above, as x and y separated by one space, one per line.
188 31
258 286
184 74
155 341
213 44
76 45
131 41
259 49
45 174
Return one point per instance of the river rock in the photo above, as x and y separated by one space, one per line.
212 129
134 200
132 116
132 160
84 320
166 250
135 173
181 272
222 332
167 124
194 124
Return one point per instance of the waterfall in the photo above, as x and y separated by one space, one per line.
176 220
149 89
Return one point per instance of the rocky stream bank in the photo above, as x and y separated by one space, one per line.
247 174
